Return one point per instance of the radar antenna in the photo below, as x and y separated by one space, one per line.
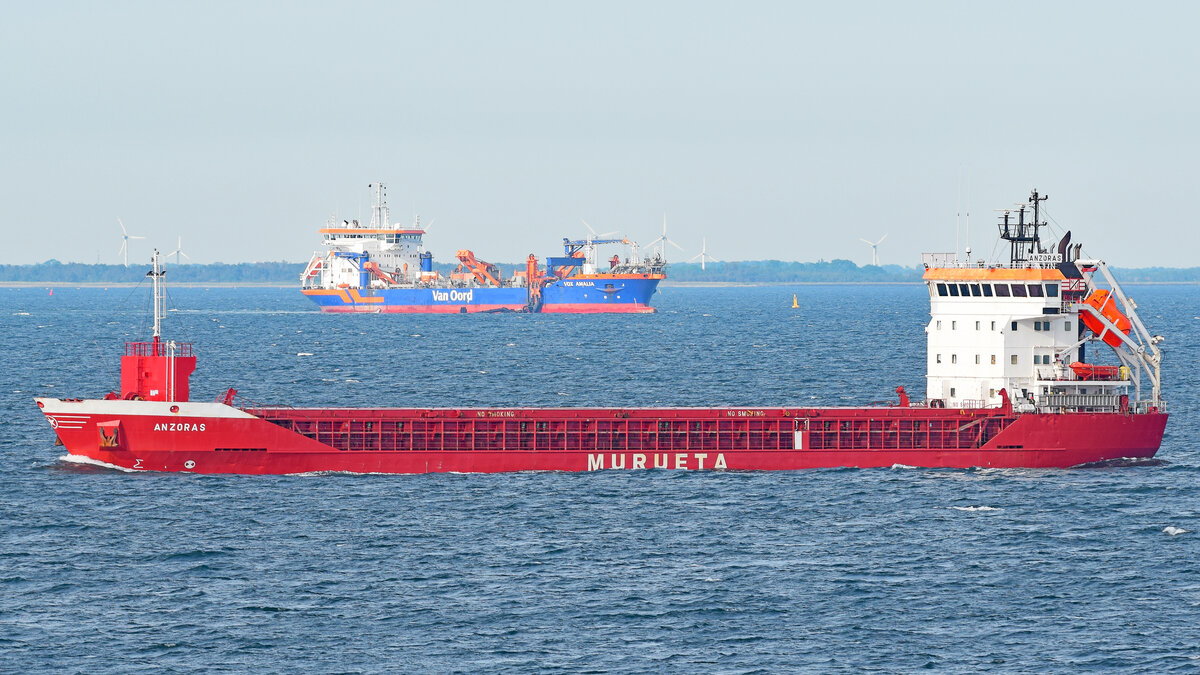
1024 238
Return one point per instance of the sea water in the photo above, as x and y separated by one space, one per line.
899 569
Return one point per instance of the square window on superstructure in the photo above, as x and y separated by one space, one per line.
987 290
1014 359
1001 290
1036 290
953 325
952 394
1067 326
993 359
977 324
1014 325
939 358
993 325
991 393
1052 290
1037 325
1019 291
954 358
941 289
976 359
939 324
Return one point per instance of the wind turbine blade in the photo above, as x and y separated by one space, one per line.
673 244
695 256
134 237
185 255
881 240
606 235
869 243
123 245
123 230
589 227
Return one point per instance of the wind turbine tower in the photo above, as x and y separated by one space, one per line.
874 249
704 256
179 252
662 241
125 237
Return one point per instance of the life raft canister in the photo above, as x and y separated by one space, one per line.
1106 305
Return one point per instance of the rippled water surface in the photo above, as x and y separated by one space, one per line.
888 570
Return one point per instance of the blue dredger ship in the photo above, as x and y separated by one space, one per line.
385 268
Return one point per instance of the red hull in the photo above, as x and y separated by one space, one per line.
597 308
214 438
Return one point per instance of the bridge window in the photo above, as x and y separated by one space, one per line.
1018 291
941 289
963 290
1052 290
987 290
953 289
1035 290
975 290
1001 290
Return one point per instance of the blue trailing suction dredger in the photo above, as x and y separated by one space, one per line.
384 267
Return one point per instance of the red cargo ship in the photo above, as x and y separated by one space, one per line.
1020 327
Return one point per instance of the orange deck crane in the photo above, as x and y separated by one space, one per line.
485 272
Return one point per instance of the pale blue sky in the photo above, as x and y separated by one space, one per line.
776 130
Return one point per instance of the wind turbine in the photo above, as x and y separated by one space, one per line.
596 235
704 254
874 249
179 252
125 237
663 241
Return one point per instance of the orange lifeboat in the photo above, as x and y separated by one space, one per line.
1088 371
1106 305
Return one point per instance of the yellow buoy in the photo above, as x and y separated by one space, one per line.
795 304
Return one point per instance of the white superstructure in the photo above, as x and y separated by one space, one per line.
377 255
1029 326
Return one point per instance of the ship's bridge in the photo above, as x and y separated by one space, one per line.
1024 326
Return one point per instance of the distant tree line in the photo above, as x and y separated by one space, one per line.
750 271
778 271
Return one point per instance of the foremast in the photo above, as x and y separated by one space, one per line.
157 370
